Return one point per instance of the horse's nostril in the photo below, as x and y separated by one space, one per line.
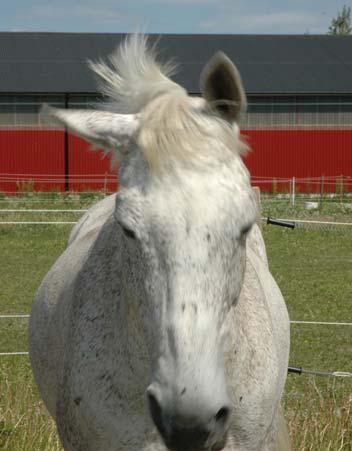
223 415
186 429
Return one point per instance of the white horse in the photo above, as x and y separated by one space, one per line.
160 327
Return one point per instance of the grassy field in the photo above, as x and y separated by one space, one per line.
312 267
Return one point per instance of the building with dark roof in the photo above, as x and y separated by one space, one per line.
269 64
284 72
300 82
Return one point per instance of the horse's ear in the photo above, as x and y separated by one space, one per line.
222 87
107 130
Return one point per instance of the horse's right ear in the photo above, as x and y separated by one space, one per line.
222 87
110 131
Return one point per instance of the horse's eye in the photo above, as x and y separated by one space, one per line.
128 232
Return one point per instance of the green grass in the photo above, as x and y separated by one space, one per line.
24 422
27 252
312 267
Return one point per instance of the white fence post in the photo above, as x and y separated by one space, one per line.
293 193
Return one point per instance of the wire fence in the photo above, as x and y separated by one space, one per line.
326 187
312 225
291 369
311 192
300 223
17 184
297 222
38 222
31 210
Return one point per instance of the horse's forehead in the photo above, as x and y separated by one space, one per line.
201 198
205 188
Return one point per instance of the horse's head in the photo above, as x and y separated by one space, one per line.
183 212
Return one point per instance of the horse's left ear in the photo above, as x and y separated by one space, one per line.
222 87
110 131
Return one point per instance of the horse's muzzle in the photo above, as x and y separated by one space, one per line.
181 433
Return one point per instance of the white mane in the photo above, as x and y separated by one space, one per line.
133 77
171 123
172 129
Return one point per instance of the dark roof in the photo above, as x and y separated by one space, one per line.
269 64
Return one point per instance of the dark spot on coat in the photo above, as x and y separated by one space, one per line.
77 400
195 307
241 397
183 306
208 236
92 319
183 391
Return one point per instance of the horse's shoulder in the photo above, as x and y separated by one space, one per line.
95 217
54 293
262 298
255 242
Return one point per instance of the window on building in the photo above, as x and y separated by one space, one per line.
24 110
263 111
84 101
303 111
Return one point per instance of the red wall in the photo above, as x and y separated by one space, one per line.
280 153
39 155
28 153
300 153
89 170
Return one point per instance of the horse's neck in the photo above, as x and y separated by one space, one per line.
249 321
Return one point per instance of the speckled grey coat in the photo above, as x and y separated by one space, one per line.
163 294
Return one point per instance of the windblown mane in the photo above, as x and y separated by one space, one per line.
132 77
171 127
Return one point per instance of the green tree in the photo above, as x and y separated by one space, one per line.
341 25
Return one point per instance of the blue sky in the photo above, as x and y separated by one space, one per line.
170 16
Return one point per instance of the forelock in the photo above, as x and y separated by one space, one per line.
174 129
